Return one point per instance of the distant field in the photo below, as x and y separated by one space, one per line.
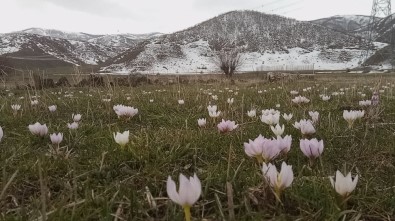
22 77
92 178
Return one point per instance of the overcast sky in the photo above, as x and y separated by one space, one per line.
166 16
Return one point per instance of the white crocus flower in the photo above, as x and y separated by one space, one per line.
314 116
226 126
52 108
251 113
278 130
188 193
125 111
73 125
285 143
287 117
212 108
365 103
202 122
38 129
230 101
344 185
56 138
34 102
300 99
305 126
122 138
214 114
271 119
325 98
16 107
351 116
76 117
278 180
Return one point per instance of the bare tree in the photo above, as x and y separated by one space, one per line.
228 61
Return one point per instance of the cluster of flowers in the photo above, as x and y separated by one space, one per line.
300 100
351 116
125 111
264 150
42 129
270 116
212 111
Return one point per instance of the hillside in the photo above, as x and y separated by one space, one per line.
36 47
257 32
78 36
81 36
264 39
25 46
345 23
382 31
357 25
122 41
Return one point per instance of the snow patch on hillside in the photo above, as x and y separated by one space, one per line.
7 45
298 59
198 58
8 49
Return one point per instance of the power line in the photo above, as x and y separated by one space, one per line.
272 2
292 10
286 6
269 3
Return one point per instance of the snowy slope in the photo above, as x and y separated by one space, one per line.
264 40
197 57
78 36
23 45
8 45
260 37
72 47
345 23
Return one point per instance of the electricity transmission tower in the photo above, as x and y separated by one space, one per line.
380 9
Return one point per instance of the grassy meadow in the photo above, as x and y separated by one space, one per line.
90 177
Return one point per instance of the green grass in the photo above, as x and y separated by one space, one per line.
99 180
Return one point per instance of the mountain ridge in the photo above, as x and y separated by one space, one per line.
80 35
263 39
248 31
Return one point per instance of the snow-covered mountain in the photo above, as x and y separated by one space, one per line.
384 29
263 39
122 41
78 36
345 23
32 46
81 36
359 25
74 48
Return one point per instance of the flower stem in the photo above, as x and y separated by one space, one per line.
311 162
277 193
344 203
187 212
260 159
